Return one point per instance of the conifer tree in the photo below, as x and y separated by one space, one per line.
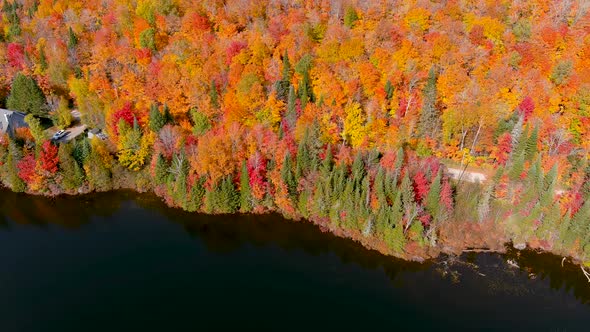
72 39
14 155
433 197
26 96
288 177
156 120
531 149
245 191
161 170
213 95
197 192
291 114
429 123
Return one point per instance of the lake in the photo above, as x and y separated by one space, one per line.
122 261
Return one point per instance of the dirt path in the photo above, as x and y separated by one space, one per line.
473 177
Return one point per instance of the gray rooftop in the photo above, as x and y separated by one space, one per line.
10 121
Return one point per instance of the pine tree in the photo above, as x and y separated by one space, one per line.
227 198
291 114
14 155
303 160
288 177
213 95
283 86
156 120
26 96
197 192
379 184
429 123
245 191
358 170
531 149
72 174
72 39
388 90
161 170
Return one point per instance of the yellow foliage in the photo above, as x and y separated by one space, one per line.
418 18
354 125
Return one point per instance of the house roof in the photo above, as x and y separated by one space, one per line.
11 120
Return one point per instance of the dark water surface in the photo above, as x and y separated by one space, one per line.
124 262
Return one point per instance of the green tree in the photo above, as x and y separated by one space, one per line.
26 96
429 124
36 128
156 119
226 198
14 155
147 39
200 121
72 174
72 39
288 177
350 17
62 117
213 95
161 170
245 190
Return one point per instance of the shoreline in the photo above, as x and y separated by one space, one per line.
431 253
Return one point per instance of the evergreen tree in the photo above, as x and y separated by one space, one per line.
72 39
429 123
26 96
201 122
213 95
531 149
283 86
388 90
72 173
156 120
197 192
227 198
291 114
379 184
303 160
14 155
245 191
161 170
288 177
358 170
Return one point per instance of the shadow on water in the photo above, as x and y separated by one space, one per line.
223 234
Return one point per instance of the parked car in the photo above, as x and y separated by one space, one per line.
58 134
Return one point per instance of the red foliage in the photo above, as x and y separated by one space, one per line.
425 219
49 158
420 186
126 114
446 195
15 55
234 48
26 168
504 148
526 107
200 22
257 172
476 35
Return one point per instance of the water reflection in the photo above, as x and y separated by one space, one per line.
226 234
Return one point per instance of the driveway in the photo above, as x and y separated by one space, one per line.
76 130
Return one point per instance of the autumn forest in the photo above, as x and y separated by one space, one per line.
350 114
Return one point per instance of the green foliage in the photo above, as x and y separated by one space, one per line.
72 39
196 194
561 72
291 114
213 95
156 119
10 169
531 149
147 39
288 177
36 128
201 122
62 117
429 124
389 90
161 170
72 173
350 17
245 190
26 96
433 197
522 30
225 197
